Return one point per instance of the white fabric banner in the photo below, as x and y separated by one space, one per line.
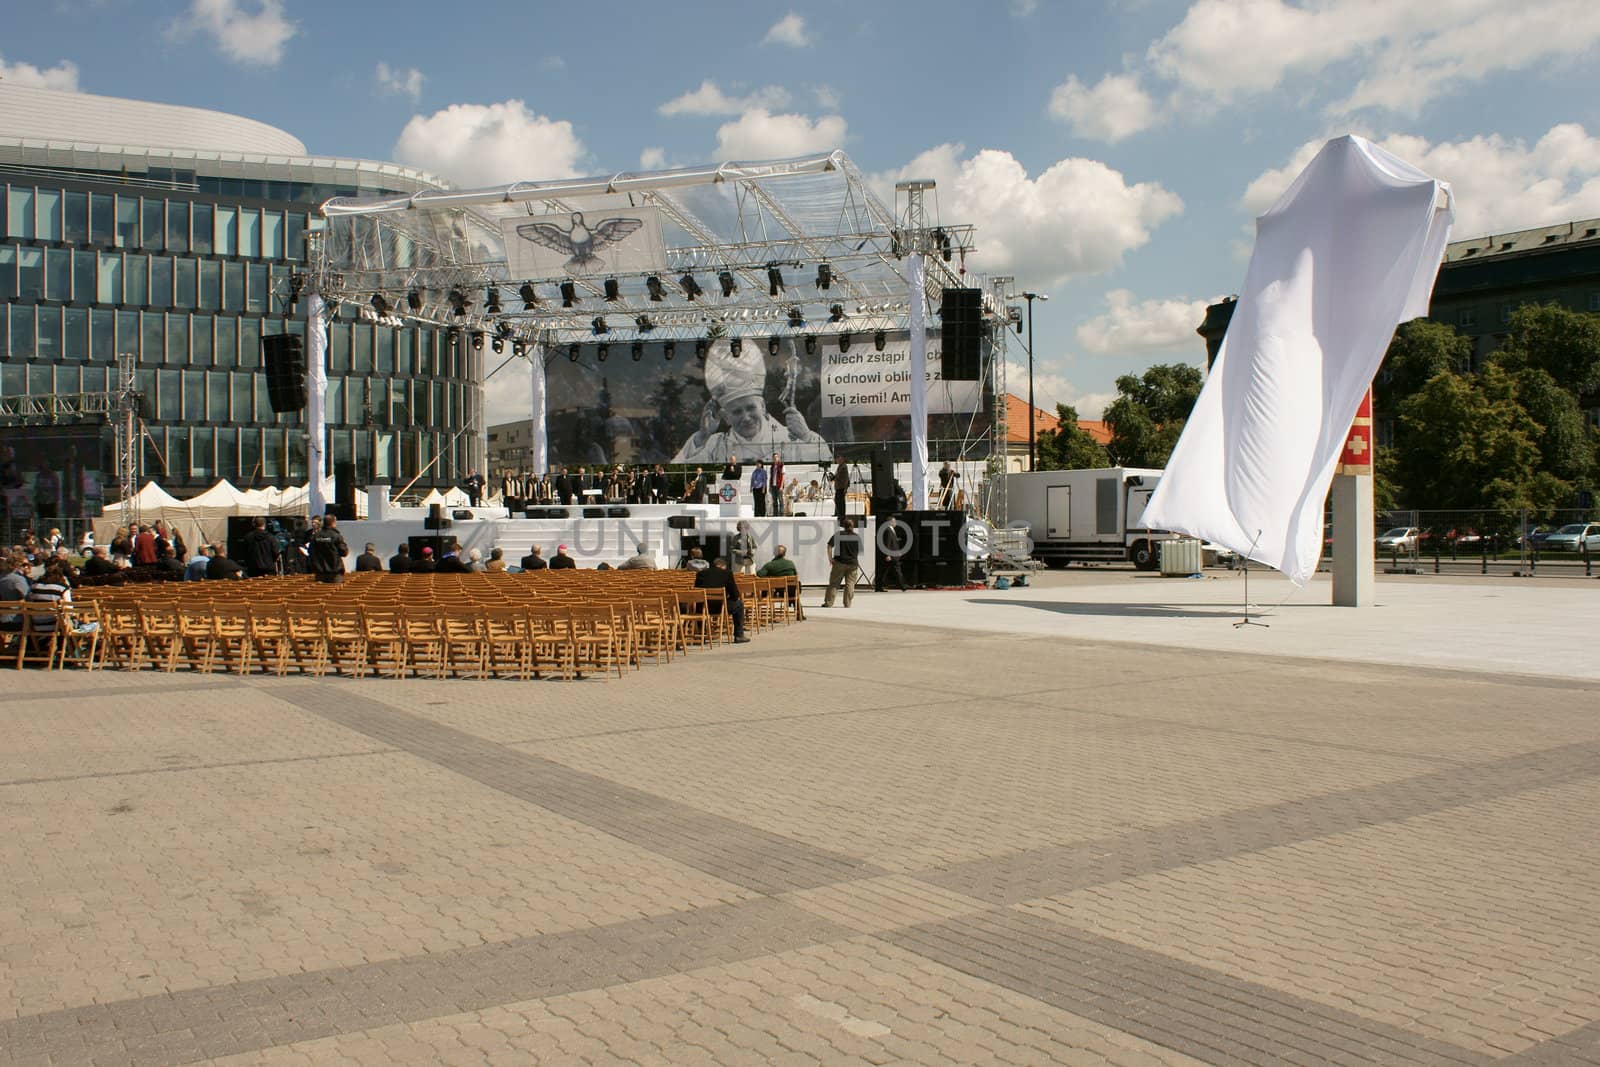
319 487
865 382
598 240
539 424
919 374
1348 253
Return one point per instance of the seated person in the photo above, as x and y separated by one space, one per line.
452 563
167 568
425 563
534 560
221 567
561 561
196 569
400 562
639 561
779 566
718 576
98 565
497 561
368 560
695 560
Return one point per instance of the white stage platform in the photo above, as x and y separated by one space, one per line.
611 540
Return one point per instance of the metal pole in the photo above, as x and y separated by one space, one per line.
1030 298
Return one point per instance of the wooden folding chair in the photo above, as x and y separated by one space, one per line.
78 643
597 638
508 643
464 647
550 635
120 641
308 646
270 639
346 637
424 641
158 632
231 645
197 648
41 631
386 641
11 638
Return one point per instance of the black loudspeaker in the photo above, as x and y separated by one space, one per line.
440 545
436 519
711 545
594 513
680 522
882 476
960 343
936 536
545 513
344 491
238 526
461 513
284 359
932 573
617 513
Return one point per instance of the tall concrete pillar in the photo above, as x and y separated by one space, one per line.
1355 557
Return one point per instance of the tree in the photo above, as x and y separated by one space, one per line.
1421 349
1564 344
1149 413
1068 447
1566 444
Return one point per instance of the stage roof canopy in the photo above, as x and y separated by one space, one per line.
793 245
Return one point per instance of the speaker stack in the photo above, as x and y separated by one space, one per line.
344 491
937 556
284 359
961 339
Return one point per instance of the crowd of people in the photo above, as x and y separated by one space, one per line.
771 488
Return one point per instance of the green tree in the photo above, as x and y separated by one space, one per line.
1563 343
1148 415
1069 447
1566 443
1421 349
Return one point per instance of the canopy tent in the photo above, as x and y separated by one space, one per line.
204 517
728 253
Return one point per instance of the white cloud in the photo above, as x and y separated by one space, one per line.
243 36
827 97
789 30
709 99
485 144
1024 8
1115 108
1052 387
1500 185
62 76
653 159
1130 327
759 134
1077 217
396 82
507 397
1401 56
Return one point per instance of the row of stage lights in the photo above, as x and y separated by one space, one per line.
669 349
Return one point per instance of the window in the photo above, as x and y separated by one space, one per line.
210 284
84 290
200 340
1505 313
48 216
177 339
76 208
76 342
8 271
228 451
183 279
194 396
177 226
202 465
1594 301
240 385
258 297
361 351
161 281
19 212
227 231
169 401
153 331
57 274
249 450
103 219
249 232
272 235
49 340
154 216
127 222
103 335
30 274
109 287
136 284
128 332
21 335
227 341
295 240
201 220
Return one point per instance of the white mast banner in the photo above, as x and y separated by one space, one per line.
1348 253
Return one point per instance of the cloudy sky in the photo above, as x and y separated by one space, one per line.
1112 154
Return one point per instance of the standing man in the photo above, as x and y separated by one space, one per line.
474 487
258 550
328 551
892 544
947 480
564 487
775 485
844 549
658 485
758 488
841 486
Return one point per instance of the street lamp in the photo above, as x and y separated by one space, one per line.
1030 298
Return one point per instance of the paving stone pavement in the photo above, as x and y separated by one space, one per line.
842 843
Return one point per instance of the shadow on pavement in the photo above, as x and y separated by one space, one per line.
1129 611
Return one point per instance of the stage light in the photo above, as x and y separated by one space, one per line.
772 346
414 300
519 348
530 296
498 344
574 351
613 290
736 347
652 284
491 301
796 319
599 326
880 339
836 313
690 287
824 276
458 303
477 340
729 286
844 341
636 350
601 352
379 304
453 334
701 347
569 294
669 350
774 281
811 345
644 324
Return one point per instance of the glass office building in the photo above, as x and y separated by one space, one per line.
172 233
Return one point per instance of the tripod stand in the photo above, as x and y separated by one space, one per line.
1245 564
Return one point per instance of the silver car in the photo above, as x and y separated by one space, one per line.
1574 537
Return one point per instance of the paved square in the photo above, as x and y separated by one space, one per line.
858 840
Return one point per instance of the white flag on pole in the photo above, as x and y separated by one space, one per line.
1348 253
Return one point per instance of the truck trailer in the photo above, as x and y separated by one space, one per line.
1087 516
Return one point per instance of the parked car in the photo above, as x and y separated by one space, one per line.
1574 537
1399 538
1534 537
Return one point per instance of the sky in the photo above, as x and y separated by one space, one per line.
1112 155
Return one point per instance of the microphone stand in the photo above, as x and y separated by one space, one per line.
1247 620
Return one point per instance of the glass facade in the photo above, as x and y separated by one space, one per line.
188 277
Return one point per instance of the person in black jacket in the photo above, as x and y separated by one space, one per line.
561 561
534 560
368 560
328 551
718 576
425 563
841 485
400 562
258 550
844 549
564 487
221 567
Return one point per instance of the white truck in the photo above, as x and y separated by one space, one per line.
1086 516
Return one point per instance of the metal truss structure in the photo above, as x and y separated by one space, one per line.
797 248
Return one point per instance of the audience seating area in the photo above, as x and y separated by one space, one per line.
570 624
